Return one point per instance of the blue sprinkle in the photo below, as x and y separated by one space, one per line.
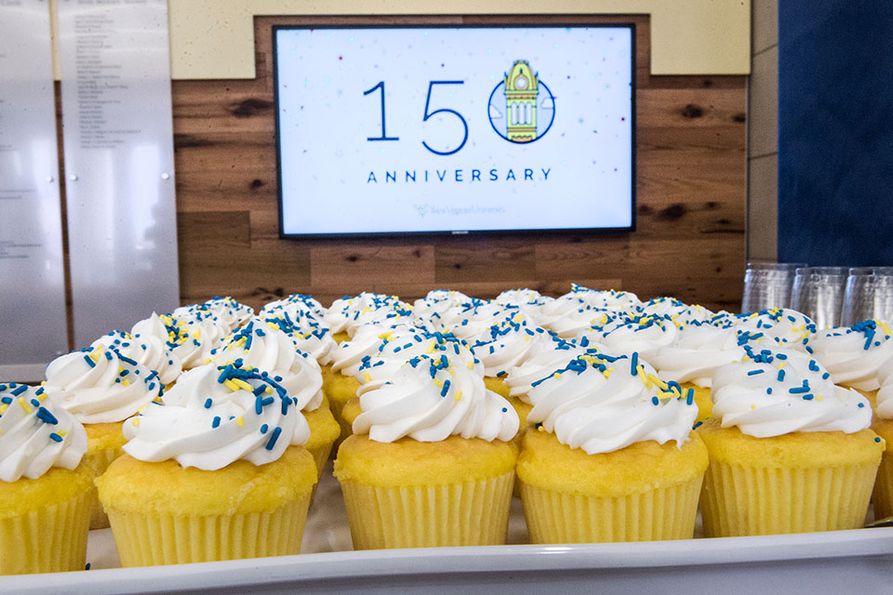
505 410
655 401
634 363
780 375
877 439
89 361
808 397
861 405
258 405
208 403
55 437
271 443
755 372
44 415
690 397
264 428
769 391
215 422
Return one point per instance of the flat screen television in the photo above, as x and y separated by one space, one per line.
454 129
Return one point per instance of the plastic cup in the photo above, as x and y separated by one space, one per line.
768 285
818 292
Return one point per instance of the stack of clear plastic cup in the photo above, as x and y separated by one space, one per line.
869 295
768 285
818 292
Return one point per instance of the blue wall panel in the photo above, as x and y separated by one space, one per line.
835 137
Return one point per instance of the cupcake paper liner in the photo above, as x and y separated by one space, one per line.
739 500
883 488
321 456
50 539
470 513
664 513
99 461
148 539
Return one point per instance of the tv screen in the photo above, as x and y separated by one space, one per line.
387 130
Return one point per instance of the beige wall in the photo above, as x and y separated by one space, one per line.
762 134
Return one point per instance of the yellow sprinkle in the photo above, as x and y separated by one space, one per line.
432 347
470 365
242 384
240 421
26 406
367 377
126 382
3 408
386 336
268 390
458 395
557 374
753 407
62 433
135 423
231 385
541 429
607 372
884 327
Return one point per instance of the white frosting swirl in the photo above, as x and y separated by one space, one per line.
400 345
440 308
506 344
699 349
644 334
228 310
149 351
215 416
190 337
266 347
298 306
544 357
100 385
36 434
429 399
884 405
476 319
603 405
347 314
777 328
855 356
776 393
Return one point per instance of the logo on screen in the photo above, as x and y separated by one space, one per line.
522 107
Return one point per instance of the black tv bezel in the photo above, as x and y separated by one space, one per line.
472 232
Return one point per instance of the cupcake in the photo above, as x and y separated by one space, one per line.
45 490
215 472
883 426
789 451
101 387
430 462
615 458
267 347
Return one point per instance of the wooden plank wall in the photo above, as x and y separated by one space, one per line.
691 199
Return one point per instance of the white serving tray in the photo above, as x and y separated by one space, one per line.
831 562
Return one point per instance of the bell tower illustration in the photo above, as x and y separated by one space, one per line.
521 92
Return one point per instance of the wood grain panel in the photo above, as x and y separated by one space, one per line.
689 240
498 259
359 266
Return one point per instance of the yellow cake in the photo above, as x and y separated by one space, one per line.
104 442
162 513
793 483
324 430
883 487
614 459
418 494
442 476
45 489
